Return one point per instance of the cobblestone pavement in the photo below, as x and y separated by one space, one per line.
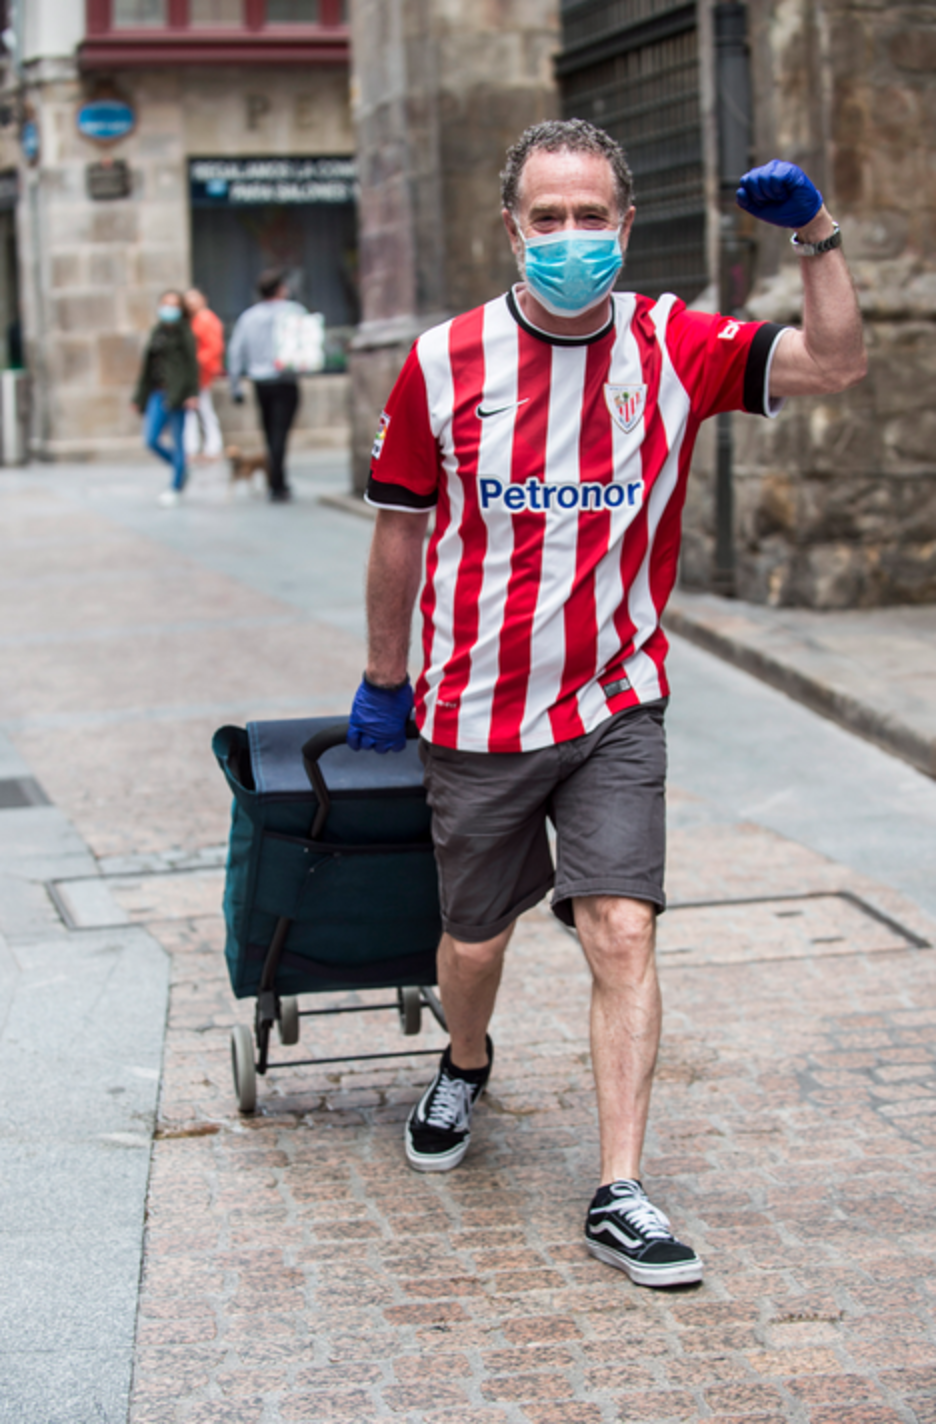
296 1271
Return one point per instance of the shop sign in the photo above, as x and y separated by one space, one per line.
243 182
105 120
110 179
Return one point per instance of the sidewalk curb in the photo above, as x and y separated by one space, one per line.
855 716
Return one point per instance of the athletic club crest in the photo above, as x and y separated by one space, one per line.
626 404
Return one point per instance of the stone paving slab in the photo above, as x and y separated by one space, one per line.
80 1053
872 670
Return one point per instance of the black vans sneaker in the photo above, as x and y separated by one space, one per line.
624 1229
437 1130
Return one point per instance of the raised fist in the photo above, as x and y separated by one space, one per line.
779 193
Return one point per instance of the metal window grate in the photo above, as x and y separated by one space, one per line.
632 67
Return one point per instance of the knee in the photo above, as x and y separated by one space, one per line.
617 935
476 958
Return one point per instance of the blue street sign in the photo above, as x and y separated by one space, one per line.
29 140
105 120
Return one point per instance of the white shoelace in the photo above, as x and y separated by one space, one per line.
643 1216
451 1104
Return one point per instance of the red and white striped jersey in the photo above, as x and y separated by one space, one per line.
557 469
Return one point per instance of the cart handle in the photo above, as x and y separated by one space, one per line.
316 746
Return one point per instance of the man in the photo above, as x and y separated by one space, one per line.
202 431
253 351
551 430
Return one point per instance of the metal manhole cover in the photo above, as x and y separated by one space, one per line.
787 927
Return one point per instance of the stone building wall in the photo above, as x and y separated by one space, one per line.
91 270
440 90
836 500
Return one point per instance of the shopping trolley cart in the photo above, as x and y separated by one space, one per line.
330 884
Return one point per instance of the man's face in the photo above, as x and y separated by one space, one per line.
194 301
565 190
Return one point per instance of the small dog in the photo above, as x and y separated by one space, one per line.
245 466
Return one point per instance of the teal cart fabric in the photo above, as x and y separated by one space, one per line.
363 898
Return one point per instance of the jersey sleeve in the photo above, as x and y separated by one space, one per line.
404 472
724 364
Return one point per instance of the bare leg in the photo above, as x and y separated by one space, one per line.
469 975
618 936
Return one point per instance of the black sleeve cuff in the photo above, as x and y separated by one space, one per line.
756 398
386 496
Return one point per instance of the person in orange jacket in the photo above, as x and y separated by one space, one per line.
202 431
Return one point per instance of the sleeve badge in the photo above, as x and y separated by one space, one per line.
380 437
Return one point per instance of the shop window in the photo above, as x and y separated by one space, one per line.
216 14
138 14
298 213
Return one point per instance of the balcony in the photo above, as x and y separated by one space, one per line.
143 34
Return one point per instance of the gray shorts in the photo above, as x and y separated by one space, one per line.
605 795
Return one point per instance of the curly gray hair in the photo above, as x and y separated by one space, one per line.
572 135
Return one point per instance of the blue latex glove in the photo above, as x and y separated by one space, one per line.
779 193
379 716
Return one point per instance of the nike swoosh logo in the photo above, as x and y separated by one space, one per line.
483 414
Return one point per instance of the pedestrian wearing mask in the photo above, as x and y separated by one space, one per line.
167 387
551 431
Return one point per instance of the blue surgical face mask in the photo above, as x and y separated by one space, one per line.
168 313
571 272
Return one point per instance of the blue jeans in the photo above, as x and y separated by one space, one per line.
158 415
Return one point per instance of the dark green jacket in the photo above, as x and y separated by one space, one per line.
169 364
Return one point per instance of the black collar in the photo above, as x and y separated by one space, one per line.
513 307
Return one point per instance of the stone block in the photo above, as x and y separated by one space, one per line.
66 269
72 359
898 115
114 222
118 358
884 234
914 49
89 312
913 437
165 266
88 412
137 307
161 223
107 268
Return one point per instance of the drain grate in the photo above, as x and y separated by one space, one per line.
19 791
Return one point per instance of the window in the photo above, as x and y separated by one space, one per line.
138 14
632 67
216 14
294 32
292 12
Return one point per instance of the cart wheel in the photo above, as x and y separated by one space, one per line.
410 1006
242 1062
289 1020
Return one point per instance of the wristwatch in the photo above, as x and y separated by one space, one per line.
816 249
